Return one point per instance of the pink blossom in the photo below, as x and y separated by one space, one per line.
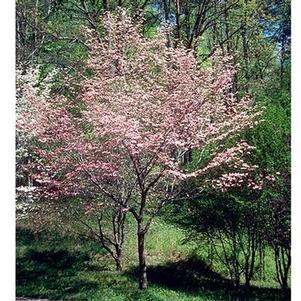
145 107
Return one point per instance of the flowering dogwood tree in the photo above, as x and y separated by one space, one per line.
124 136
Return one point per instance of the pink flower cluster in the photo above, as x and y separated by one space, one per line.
146 105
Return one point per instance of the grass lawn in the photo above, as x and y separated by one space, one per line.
58 267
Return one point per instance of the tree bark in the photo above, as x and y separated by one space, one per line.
245 44
141 255
118 259
282 58
283 263
166 10
178 30
105 5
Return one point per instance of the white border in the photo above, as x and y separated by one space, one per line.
296 149
7 174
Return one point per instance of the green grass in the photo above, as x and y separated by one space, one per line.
59 267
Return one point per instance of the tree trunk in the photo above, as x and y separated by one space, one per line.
114 245
250 258
178 30
235 258
248 282
118 259
283 263
105 5
282 58
246 51
35 30
166 9
247 272
142 261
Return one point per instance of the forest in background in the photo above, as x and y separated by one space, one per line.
205 245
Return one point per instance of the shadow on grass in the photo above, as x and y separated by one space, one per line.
190 274
52 272
46 270
196 277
